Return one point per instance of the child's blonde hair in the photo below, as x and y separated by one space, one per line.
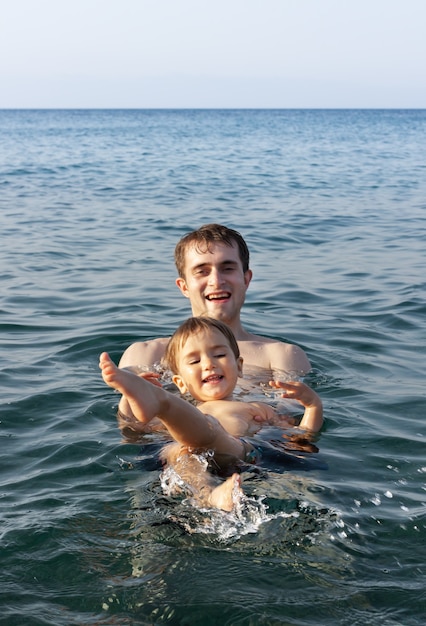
192 326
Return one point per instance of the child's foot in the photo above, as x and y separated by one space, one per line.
128 384
222 497
113 375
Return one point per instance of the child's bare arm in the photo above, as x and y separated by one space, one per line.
313 417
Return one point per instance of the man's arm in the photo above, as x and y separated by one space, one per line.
141 353
144 353
287 357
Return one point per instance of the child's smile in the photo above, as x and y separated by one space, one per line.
208 369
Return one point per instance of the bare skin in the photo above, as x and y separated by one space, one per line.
204 354
185 423
192 430
215 284
206 489
208 369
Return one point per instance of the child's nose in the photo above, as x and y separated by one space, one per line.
208 363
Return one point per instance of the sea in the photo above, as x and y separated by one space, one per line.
332 204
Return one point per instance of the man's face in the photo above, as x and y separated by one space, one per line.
215 282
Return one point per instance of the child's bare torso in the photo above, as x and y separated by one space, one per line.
240 418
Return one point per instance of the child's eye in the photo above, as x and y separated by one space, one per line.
220 356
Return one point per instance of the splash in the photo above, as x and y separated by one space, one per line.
247 516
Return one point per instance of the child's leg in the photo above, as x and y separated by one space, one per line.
126 382
185 423
206 490
222 497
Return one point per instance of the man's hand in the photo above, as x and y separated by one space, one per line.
151 377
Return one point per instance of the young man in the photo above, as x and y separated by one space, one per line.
205 360
214 274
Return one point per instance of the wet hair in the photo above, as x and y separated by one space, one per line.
190 327
204 237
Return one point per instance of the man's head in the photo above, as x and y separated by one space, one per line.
205 359
213 268
202 240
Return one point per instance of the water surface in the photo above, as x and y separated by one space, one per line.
332 205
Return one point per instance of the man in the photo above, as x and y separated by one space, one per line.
214 274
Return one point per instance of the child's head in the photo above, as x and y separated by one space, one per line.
204 357
202 240
193 326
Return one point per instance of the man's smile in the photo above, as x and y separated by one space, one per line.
219 295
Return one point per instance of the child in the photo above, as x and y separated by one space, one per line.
205 360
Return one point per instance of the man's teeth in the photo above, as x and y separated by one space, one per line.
218 296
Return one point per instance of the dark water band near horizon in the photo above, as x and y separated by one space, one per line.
333 207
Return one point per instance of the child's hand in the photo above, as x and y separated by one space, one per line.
297 391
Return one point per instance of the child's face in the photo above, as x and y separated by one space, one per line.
208 369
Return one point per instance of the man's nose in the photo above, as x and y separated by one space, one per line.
215 277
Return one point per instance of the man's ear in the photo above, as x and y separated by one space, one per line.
247 277
180 383
180 282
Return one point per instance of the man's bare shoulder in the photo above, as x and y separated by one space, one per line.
144 352
274 355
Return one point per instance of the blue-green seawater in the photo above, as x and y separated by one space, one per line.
333 207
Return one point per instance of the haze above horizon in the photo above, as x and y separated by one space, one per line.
226 54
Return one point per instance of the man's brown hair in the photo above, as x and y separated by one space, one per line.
190 327
204 237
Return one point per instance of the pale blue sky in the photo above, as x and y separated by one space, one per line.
220 53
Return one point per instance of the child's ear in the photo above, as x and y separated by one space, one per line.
180 383
240 366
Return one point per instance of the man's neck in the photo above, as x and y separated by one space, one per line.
240 333
237 328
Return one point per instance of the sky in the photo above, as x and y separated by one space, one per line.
213 54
